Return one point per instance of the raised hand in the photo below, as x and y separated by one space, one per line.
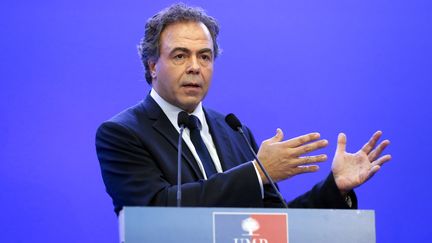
283 159
352 170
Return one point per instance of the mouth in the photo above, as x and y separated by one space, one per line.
191 85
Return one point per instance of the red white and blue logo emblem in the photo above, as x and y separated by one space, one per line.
239 227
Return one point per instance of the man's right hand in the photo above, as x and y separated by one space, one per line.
284 159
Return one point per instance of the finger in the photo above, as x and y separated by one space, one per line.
276 138
297 141
373 170
378 150
306 169
309 147
381 160
310 159
367 148
341 143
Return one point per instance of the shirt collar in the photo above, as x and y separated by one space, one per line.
172 111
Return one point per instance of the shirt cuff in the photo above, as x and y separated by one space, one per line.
348 201
259 180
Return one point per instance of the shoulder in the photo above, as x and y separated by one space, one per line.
212 114
129 119
129 115
217 120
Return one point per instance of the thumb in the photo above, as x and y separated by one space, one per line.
277 137
341 143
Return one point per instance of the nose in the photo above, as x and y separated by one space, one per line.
193 66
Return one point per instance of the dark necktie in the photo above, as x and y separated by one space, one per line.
200 147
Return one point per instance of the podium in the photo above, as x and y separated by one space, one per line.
245 225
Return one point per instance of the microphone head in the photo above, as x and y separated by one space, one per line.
182 118
233 122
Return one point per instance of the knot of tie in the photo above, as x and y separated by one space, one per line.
194 123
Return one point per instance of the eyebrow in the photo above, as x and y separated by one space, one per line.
183 49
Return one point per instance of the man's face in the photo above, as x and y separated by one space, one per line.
183 72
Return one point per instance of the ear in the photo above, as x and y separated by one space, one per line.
152 67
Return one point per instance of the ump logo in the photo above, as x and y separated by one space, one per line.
250 225
237 227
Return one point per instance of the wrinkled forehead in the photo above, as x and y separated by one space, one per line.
189 35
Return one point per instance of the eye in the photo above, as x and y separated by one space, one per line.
179 56
206 57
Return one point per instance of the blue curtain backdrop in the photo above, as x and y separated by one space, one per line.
304 66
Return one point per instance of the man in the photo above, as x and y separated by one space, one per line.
137 148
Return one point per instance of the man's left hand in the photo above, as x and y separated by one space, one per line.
352 170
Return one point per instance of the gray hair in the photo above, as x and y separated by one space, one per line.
149 47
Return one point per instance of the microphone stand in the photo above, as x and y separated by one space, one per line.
179 150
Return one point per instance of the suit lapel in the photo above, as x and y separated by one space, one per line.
168 131
221 140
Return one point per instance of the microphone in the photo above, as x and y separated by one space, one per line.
235 124
182 121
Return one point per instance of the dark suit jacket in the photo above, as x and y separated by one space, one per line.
137 150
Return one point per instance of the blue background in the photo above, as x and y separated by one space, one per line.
304 66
